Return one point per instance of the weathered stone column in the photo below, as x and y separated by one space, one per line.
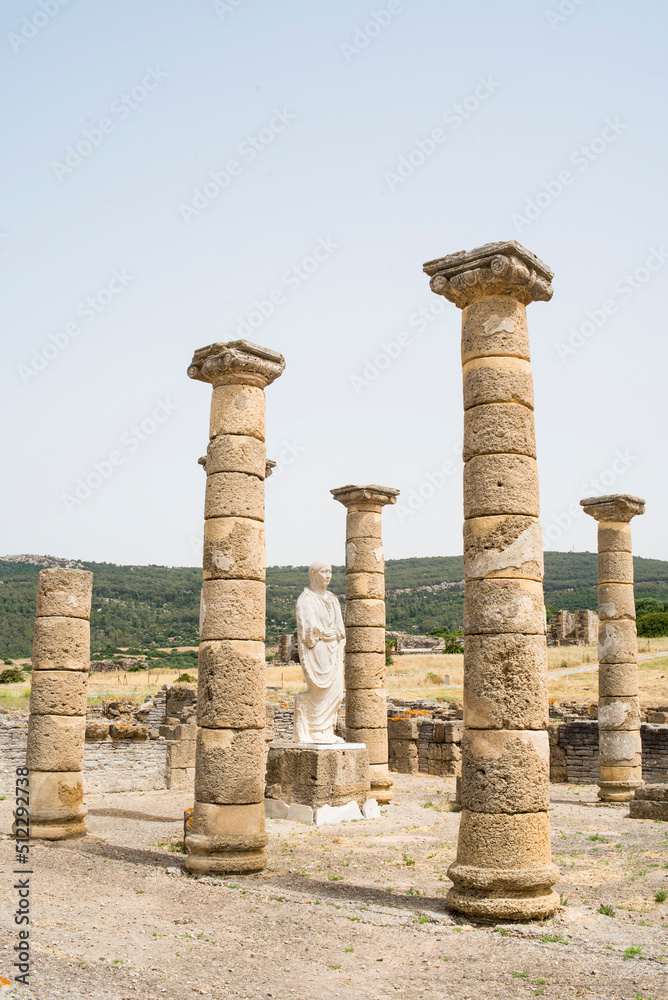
620 750
503 867
366 697
59 688
227 834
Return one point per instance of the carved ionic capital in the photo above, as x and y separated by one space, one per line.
238 361
352 495
616 507
505 268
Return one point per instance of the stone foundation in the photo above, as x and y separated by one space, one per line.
650 802
306 781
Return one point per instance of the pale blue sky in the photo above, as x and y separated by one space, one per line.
334 99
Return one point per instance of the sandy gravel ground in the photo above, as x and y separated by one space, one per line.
353 911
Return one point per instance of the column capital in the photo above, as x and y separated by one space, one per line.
238 361
351 495
616 507
505 268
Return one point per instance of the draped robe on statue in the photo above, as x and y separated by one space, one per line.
321 636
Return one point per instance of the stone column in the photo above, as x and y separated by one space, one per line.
227 834
620 751
503 867
57 723
366 697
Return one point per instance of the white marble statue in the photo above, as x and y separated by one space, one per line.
321 637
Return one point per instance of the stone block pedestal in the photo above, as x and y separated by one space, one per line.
318 783
650 802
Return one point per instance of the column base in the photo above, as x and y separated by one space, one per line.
381 784
503 907
224 862
57 809
617 791
226 839
503 869
58 830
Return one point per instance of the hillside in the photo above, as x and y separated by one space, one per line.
144 605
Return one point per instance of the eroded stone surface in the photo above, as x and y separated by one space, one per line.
495 327
64 592
236 453
231 684
503 546
375 740
505 682
58 692
499 428
61 644
501 484
55 743
365 586
504 605
233 549
368 707
234 494
227 770
505 772
365 613
237 409
507 380
365 670
233 609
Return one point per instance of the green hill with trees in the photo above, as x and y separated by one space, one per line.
142 606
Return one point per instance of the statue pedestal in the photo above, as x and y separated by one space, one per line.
318 782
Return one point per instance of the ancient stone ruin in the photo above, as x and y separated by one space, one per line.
503 867
366 697
57 723
228 833
573 628
618 705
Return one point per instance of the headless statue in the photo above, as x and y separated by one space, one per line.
321 637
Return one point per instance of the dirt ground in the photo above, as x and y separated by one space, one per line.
341 913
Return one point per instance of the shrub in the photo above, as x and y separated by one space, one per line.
11 676
9 662
606 910
452 640
27 669
185 679
649 605
653 624
135 667
390 644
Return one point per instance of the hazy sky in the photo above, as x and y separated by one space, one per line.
169 165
